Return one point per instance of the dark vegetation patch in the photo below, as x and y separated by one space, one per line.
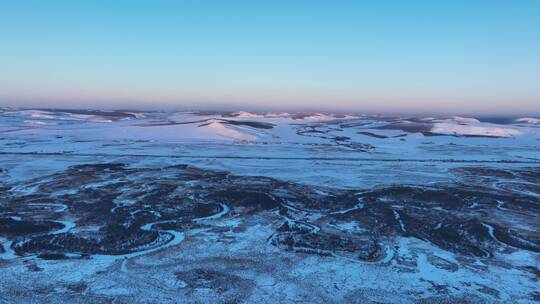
373 135
112 115
304 238
205 122
120 210
228 287
253 124
327 131
409 126
501 120
11 227
380 136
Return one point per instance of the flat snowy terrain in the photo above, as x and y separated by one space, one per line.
193 207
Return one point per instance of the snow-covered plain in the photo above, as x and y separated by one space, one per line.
332 208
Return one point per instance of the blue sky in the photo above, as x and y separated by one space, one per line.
377 56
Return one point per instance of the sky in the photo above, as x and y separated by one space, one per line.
457 56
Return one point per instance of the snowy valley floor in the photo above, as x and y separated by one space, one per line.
123 207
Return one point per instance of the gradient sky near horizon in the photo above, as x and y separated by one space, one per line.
458 56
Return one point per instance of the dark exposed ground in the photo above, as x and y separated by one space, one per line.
474 218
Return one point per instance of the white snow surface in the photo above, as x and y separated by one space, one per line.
218 129
529 120
474 129
469 126
243 114
266 144
316 149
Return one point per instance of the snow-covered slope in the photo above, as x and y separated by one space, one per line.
528 120
464 126
477 129
321 135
